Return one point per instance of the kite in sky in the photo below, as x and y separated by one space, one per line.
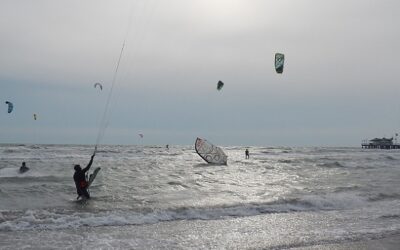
279 62
10 106
98 84
220 84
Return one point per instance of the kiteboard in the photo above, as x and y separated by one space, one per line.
92 176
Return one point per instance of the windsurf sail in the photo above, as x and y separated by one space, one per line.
210 153
279 62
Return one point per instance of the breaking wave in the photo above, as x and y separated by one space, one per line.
62 219
335 164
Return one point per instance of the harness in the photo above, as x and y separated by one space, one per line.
83 184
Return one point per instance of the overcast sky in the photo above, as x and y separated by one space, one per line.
340 82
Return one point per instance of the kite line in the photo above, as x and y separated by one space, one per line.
104 123
104 120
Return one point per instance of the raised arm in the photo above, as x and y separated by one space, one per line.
90 163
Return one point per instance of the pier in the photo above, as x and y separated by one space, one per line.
380 143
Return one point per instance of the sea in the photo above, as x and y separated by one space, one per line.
153 197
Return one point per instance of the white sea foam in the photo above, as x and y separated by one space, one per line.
53 219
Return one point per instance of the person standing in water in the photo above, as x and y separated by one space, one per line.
80 179
247 153
23 168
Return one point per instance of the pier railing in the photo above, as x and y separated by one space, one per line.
369 145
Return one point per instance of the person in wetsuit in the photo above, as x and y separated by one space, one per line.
247 153
23 168
80 179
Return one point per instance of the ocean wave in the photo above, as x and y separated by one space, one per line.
390 158
334 164
177 183
63 219
274 152
108 151
347 188
390 216
288 161
13 173
384 196
15 150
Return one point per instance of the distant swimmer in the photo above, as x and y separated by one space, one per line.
80 179
23 168
247 153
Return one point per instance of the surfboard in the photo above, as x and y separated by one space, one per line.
92 176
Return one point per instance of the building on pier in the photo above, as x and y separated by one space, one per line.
381 143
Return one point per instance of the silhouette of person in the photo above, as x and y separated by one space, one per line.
80 179
247 153
23 168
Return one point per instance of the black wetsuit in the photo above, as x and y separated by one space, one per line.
81 182
23 169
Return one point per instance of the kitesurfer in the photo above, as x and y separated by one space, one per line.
80 179
23 168
247 153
